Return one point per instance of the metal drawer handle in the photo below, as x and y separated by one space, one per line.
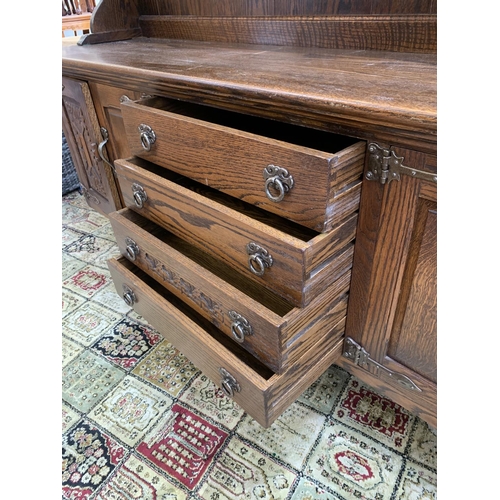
100 148
229 385
148 137
278 179
140 196
132 248
129 296
258 259
240 326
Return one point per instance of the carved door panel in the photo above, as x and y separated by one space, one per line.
391 330
82 131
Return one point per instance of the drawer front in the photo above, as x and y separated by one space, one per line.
253 386
300 183
292 261
268 327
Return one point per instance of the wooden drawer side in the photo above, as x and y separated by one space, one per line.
316 313
312 366
322 328
346 178
346 168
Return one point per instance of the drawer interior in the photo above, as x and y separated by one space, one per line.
275 221
253 363
286 132
250 288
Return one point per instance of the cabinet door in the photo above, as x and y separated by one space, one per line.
82 131
391 324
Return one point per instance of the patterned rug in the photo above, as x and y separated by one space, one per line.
140 422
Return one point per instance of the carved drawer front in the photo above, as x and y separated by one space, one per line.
263 394
271 329
308 176
295 262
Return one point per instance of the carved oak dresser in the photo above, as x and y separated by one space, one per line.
269 170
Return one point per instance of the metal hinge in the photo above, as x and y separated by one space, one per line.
360 357
385 166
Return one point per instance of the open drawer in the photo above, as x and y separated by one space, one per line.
293 261
261 393
307 176
267 326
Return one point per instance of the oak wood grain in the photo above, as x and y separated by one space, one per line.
107 105
106 101
285 7
82 130
280 333
392 305
264 395
223 229
115 15
363 94
398 34
230 152
413 341
296 67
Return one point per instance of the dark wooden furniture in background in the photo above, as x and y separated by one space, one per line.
365 70
76 15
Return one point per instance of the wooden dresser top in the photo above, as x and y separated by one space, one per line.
368 94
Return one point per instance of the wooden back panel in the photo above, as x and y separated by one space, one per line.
394 25
393 33
238 8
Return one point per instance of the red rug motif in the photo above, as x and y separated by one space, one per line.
185 446
373 410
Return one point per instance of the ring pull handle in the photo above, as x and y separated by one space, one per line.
240 326
100 148
148 137
278 182
132 248
229 385
129 296
258 259
140 196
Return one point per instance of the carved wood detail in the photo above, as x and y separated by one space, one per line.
86 146
202 300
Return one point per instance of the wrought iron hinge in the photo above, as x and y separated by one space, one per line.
359 356
385 166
